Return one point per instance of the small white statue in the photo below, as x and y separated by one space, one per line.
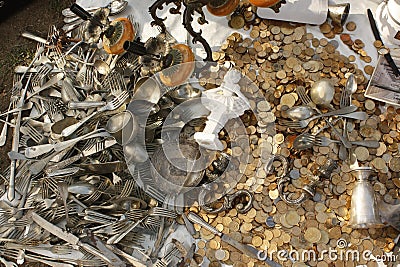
225 102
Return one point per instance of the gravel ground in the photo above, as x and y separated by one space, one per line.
17 16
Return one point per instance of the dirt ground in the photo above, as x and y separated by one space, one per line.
17 16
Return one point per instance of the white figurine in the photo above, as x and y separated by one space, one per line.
225 102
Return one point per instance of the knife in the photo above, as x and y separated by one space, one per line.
95 148
375 30
249 250
73 240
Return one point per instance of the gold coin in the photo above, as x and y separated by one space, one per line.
351 26
256 241
275 30
281 74
369 69
394 164
292 217
252 213
378 44
279 138
288 100
268 235
335 232
362 153
201 244
273 194
201 252
246 227
312 235
352 58
367 59
219 227
378 163
214 244
220 254
254 34
369 104
234 226
321 217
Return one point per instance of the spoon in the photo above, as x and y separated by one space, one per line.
345 100
322 92
299 113
81 188
102 67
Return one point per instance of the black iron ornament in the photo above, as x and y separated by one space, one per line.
191 6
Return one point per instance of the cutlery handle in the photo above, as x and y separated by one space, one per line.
33 37
62 164
341 111
135 47
63 145
72 128
85 104
95 252
80 12
359 115
35 151
194 218
367 143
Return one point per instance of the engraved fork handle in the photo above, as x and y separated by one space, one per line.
194 218
86 104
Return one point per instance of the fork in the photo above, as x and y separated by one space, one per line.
155 193
15 91
313 140
307 101
97 193
112 105
304 123
112 228
128 188
34 134
167 259
42 72
38 150
345 101
154 211
135 24
325 141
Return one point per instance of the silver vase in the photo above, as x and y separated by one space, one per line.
364 211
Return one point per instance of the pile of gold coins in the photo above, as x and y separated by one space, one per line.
277 58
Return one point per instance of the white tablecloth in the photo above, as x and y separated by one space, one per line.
217 30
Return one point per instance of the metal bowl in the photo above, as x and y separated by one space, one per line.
184 92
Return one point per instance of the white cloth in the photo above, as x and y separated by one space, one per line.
217 30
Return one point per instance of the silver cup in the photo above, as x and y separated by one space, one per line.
364 212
